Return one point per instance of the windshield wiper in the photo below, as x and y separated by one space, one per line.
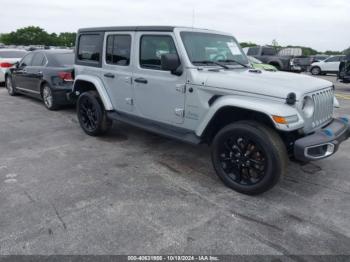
234 61
208 62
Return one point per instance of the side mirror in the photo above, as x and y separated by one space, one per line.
16 65
171 62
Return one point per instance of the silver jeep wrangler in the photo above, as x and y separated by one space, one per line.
197 86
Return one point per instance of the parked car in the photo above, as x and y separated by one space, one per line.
8 57
170 81
269 55
328 66
257 64
44 74
344 70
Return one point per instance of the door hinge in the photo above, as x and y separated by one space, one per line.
180 112
181 88
129 101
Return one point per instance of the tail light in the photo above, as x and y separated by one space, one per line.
66 76
5 65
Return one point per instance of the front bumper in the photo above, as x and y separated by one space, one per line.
322 143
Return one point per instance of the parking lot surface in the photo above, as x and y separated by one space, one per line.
133 192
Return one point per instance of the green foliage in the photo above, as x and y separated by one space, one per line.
328 52
33 35
247 44
346 51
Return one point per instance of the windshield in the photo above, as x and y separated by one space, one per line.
12 54
202 48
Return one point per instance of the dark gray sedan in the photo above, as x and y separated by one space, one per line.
44 74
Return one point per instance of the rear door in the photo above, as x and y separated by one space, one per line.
117 69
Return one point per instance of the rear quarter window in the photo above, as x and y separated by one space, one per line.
89 50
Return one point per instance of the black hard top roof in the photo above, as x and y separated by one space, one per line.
128 28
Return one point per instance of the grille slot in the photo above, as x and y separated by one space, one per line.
323 106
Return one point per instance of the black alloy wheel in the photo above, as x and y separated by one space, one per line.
249 157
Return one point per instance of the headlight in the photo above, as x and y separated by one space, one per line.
308 106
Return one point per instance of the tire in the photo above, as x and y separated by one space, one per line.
10 87
48 98
91 114
316 71
256 173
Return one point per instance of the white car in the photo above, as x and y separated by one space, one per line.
8 57
330 65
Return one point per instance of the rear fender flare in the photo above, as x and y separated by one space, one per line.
100 88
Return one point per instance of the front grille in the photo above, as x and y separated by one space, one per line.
323 106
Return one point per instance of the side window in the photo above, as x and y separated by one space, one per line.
89 48
118 50
333 59
39 60
27 60
152 47
252 51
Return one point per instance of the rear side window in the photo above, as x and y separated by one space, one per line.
118 50
333 59
89 49
152 48
268 51
253 51
39 60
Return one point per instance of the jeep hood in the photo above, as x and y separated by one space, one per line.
276 84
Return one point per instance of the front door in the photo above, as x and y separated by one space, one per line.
20 74
159 95
117 70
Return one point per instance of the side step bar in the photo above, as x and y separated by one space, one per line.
166 130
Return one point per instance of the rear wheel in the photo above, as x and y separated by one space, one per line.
48 98
91 114
249 157
10 87
316 70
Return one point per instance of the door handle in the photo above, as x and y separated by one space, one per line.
40 73
109 75
141 80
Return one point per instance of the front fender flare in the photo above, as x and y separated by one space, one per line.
267 107
100 88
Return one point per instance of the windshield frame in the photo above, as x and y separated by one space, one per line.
206 32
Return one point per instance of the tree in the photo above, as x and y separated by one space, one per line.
346 51
67 39
247 44
33 35
328 52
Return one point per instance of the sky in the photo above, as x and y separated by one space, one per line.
320 24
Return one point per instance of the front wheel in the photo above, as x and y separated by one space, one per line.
91 114
10 87
249 157
316 70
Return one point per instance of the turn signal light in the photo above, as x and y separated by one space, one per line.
280 120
